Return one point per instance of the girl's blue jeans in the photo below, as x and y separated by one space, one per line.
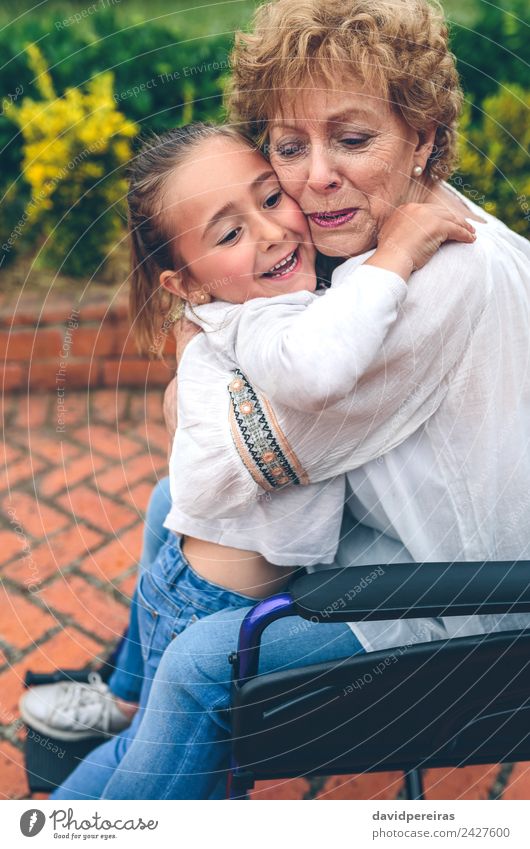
177 746
126 680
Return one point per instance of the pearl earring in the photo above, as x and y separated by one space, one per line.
417 170
202 297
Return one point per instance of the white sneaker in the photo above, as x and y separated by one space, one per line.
73 711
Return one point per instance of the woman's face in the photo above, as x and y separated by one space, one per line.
347 159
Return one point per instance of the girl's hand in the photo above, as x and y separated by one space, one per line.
170 410
184 330
413 234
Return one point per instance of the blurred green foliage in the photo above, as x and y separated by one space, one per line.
494 64
494 157
74 150
169 63
494 49
161 78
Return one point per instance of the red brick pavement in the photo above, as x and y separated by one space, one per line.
70 535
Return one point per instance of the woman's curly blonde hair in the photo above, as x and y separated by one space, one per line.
398 47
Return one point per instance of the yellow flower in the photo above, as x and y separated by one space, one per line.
70 142
122 150
38 65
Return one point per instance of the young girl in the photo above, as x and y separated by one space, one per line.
211 226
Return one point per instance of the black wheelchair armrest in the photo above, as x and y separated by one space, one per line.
398 591
412 590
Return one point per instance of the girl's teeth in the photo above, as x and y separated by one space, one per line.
282 267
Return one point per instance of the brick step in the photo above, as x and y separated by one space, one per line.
63 343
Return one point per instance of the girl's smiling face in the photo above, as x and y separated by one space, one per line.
240 236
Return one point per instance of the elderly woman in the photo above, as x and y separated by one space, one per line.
356 104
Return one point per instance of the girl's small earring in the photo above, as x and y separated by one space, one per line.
417 170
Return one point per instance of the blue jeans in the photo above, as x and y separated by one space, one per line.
177 746
180 748
169 597
126 680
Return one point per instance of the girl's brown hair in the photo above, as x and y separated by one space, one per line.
152 244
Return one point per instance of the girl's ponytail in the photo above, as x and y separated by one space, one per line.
149 304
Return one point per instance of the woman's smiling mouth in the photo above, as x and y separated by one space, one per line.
333 219
285 267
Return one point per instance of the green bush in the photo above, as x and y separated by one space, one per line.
158 73
14 191
164 77
161 79
494 157
74 147
14 198
494 50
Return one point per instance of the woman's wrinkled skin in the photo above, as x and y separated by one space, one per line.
347 149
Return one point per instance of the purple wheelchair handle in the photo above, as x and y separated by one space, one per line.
252 627
246 661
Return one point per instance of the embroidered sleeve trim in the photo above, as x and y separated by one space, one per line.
259 440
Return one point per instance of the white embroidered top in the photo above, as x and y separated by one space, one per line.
275 344
435 436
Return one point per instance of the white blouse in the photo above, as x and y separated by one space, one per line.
277 343
434 436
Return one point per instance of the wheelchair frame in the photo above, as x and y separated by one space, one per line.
483 672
